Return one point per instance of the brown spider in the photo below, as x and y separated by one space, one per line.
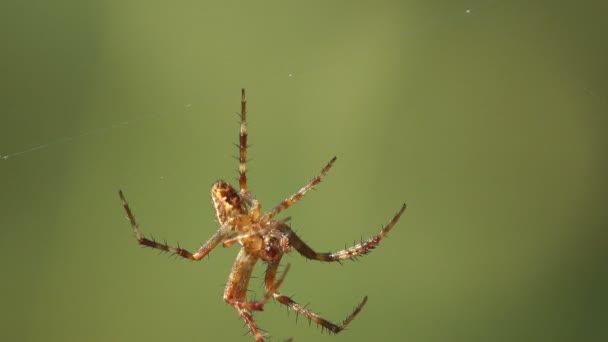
262 237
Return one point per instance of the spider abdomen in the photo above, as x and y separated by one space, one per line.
227 202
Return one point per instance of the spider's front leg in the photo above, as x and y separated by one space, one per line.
298 195
269 281
198 255
351 252
256 206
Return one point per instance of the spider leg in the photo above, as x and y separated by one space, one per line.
236 237
236 290
295 197
198 255
243 144
351 252
256 207
238 283
232 239
272 288
334 328
271 273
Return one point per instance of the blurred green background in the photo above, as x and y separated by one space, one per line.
487 117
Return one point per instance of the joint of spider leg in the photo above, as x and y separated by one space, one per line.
239 119
248 160
239 172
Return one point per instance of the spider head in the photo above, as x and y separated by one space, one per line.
227 202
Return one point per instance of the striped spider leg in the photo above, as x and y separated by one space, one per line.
262 238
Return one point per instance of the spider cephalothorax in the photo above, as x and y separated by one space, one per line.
262 238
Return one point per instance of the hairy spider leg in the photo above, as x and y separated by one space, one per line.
235 292
271 272
236 236
351 252
256 207
243 144
295 197
200 253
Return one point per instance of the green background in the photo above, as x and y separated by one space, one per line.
491 125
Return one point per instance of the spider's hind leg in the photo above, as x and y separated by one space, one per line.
243 144
271 287
256 207
236 291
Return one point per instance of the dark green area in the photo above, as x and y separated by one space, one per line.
490 124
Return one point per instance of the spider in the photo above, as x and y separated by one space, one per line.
262 237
